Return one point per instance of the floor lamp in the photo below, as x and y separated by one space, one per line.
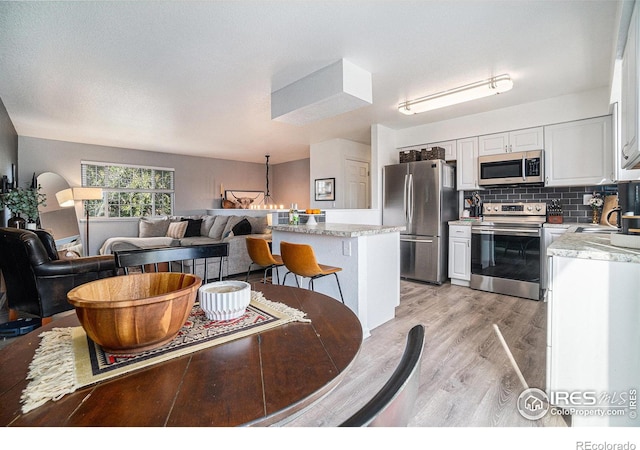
68 197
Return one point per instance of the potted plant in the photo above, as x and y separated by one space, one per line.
21 201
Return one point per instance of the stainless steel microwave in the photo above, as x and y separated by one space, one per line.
518 168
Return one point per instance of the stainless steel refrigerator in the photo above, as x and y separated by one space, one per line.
421 196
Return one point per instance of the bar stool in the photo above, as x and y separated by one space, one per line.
301 260
260 255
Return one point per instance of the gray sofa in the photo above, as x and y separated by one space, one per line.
197 230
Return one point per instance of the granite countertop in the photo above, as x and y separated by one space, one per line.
591 246
338 229
559 225
465 221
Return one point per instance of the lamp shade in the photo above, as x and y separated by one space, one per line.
87 193
65 198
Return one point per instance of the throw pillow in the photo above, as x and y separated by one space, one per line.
193 227
241 228
259 225
207 223
177 229
233 220
218 227
153 227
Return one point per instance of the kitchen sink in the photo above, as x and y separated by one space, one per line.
599 230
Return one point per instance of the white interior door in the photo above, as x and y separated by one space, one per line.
357 184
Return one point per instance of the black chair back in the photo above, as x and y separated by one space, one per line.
153 256
37 281
393 405
20 250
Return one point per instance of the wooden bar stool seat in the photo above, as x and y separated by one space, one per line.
261 255
300 259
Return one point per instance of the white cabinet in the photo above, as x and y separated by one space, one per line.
579 153
549 235
619 173
449 149
630 152
460 254
592 335
467 164
513 141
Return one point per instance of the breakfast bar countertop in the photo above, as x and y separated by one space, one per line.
339 229
591 246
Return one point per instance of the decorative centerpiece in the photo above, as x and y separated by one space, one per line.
23 202
130 314
596 203
224 300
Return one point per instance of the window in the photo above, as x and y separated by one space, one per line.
130 191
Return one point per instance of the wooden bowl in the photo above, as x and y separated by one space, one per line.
134 313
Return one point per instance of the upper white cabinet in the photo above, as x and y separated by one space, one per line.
467 164
449 149
579 152
513 141
619 173
630 153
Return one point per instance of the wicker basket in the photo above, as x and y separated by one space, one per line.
432 153
409 156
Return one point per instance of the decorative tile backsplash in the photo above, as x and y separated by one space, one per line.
571 198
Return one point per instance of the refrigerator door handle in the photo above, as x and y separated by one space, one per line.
426 241
410 209
404 198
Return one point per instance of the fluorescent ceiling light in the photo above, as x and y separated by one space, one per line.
485 88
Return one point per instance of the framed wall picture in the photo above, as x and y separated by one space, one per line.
243 199
325 189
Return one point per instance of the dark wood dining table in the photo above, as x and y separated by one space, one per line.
258 380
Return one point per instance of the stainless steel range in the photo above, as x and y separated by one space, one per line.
505 249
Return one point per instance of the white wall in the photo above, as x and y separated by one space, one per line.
291 183
327 160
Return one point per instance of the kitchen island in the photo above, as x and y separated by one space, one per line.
592 330
369 256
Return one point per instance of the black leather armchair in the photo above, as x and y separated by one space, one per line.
37 281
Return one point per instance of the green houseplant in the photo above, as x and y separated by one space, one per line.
24 201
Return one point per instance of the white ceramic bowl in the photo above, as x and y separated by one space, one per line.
224 300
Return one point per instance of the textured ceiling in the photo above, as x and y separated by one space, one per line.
196 77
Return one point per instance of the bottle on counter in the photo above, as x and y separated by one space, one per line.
296 216
291 215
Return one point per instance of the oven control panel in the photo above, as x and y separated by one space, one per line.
515 209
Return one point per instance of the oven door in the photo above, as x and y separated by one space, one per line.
506 260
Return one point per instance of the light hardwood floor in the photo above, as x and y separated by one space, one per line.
467 379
